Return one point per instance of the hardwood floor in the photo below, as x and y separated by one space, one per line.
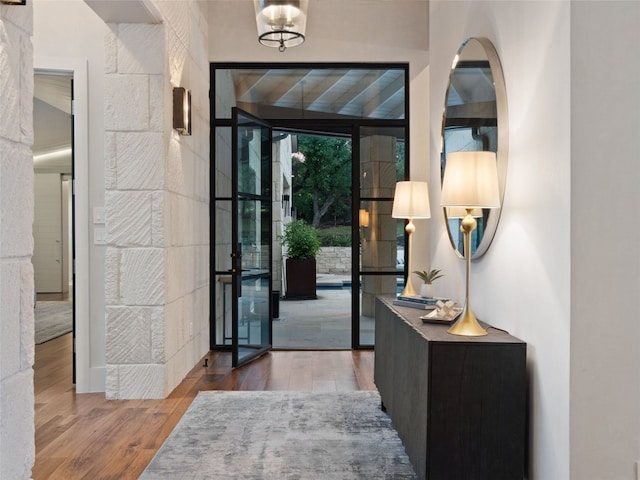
84 436
51 297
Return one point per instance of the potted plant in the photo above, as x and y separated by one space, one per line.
302 245
428 277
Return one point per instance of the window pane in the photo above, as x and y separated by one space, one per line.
326 93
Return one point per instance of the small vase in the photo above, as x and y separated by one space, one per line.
427 290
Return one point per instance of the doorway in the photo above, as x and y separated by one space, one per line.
61 70
368 106
53 205
318 192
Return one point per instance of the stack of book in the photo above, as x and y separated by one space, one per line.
422 303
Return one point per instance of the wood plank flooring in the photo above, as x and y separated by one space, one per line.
84 436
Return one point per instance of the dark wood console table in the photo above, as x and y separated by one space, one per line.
458 403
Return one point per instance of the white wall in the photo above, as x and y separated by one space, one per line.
522 284
605 281
69 32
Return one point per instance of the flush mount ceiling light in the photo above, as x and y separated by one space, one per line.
13 2
281 23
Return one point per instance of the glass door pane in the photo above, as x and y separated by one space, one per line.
251 234
382 252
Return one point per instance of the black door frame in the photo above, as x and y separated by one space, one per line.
351 126
237 274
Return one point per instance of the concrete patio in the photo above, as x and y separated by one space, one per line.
323 323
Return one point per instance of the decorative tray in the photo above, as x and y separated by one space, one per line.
432 317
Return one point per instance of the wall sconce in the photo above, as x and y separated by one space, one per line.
285 202
411 200
13 2
281 23
182 110
470 182
364 218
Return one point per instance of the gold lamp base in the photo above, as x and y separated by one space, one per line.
467 325
408 290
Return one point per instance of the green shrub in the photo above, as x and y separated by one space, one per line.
301 240
334 238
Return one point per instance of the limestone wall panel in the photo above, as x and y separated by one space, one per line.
10 319
129 218
140 48
140 161
142 280
16 198
158 218
127 103
17 454
141 382
157 106
110 161
112 276
27 322
129 335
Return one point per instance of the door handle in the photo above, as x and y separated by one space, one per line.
236 268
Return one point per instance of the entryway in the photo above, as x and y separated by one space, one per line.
53 205
368 106
61 156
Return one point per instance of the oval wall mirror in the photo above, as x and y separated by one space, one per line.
475 118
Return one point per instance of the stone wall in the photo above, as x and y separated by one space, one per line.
335 260
156 202
17 448
379 245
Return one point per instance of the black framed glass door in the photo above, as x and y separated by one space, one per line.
301 99
251 235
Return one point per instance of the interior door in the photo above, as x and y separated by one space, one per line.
47 233
251 235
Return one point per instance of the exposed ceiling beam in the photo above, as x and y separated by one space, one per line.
387 95
54 90
246 81
289 85
323 91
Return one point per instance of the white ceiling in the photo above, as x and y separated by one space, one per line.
52 122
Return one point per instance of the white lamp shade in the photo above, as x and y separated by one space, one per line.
471 180
411 200
281 23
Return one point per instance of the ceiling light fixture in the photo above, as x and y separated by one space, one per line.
281 23
14 2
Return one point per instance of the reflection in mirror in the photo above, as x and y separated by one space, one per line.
475 119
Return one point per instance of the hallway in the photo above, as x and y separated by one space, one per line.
86 436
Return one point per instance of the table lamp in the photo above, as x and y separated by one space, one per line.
411 200
470 182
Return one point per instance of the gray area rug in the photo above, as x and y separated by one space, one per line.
282 435
52 319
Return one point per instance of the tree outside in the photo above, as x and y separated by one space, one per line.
322 180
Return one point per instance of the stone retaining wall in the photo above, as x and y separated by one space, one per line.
336 260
